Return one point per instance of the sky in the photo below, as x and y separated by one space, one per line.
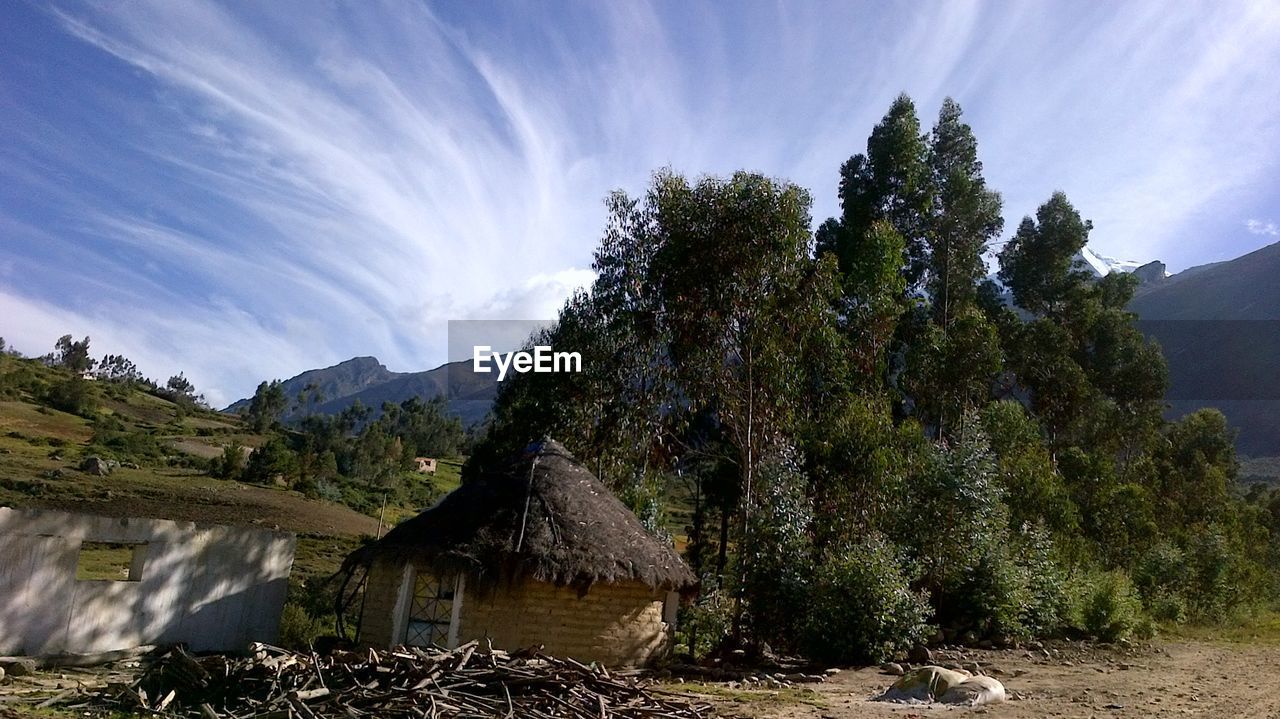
245 191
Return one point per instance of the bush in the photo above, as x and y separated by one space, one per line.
703 625
1108 607
74 396
298 629
231 464
1015 590
1219 581
862 608
987 597
778 553
1162 576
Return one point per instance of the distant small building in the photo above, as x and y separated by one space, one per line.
425 465
540 553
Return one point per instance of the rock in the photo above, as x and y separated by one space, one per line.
129 465
1154 271
974 691
922 685
920 654
832 671
96 466
986 644
971 667
1035 646
969 638
892 668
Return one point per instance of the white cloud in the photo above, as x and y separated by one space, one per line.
302 185
1258 227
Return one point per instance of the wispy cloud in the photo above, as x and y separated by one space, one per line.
1258 227
246 191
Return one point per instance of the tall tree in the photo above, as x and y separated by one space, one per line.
890 183
268 403
1036 265
964 216
73 355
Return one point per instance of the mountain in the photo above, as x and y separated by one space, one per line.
1219 327
366 379
1100 265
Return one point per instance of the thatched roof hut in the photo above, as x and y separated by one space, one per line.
544 554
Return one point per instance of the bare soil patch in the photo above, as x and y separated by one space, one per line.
1163 679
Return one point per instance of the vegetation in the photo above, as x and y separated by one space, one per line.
875 442
858 440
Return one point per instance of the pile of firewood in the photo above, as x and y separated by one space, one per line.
403 682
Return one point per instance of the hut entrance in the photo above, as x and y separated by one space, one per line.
433 611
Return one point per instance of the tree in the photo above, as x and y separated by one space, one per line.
873 284
120 370
890 183
268 403
308 397
182 392
1036 264
950 370
73 356
964 216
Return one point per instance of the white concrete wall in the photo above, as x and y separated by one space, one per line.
216 588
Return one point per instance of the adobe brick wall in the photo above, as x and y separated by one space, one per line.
380 595
616 624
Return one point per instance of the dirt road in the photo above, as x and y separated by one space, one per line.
1231 681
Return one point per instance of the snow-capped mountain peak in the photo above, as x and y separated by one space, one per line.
1101 266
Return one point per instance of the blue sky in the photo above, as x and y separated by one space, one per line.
246 191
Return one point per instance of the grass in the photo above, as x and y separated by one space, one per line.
104 561
1253 626
32 420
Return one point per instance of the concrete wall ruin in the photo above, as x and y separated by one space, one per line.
215 588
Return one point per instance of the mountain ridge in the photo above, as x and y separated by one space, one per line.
367 380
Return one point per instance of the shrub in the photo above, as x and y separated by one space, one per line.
1014 590
779 553
862 608
298 629
703 625
987 597
74 396
230 464
1219 579
1108 607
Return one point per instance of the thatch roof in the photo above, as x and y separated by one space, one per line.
543 517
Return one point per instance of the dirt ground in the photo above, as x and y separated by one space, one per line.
1174 679
1183 679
